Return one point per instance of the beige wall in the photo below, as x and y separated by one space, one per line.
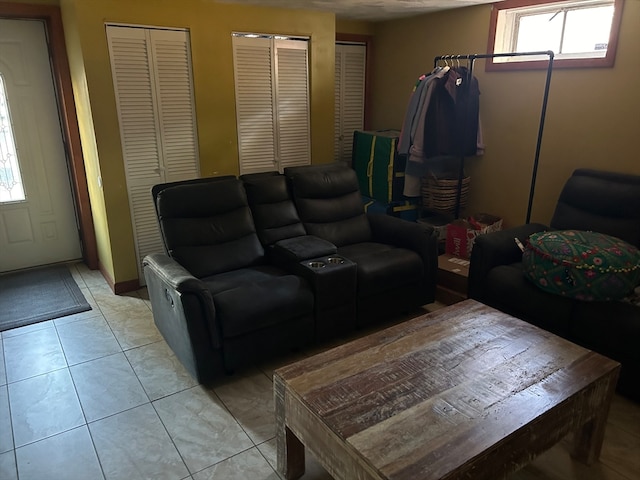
210 25
593 117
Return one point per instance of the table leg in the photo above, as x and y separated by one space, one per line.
290 457
587 442
290 450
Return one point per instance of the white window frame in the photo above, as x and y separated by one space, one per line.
505 17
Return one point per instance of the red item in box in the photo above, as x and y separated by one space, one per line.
462 233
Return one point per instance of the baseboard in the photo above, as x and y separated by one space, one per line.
119 287
128 286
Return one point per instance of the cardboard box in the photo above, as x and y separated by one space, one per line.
453 273
462 233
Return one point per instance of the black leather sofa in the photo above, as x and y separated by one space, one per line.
599 201
245 276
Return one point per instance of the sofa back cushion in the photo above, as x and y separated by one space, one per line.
208 228
604 202
274 212
329 203
156 189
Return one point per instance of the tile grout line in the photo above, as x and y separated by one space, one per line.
13 440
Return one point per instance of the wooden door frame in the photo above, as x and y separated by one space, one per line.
52 19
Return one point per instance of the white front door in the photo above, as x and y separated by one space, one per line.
38 222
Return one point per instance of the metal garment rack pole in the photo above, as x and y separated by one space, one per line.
472 58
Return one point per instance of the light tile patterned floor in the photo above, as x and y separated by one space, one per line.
99 395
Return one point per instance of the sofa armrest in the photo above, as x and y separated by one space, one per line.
414 236
496 248
296 249
184 312
173 275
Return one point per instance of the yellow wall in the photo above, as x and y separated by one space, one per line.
593 117
210 25
355 27
87 138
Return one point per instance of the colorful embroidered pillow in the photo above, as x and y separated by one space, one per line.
582 265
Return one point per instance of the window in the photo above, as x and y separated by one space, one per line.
11 188
581 33
272 101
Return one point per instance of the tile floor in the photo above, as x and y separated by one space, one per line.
99 395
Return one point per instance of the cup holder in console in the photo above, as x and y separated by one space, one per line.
316 264
335 260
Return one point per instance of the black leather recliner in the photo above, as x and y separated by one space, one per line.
397 260
599 201
216 299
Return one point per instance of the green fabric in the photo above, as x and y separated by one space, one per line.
374 160
583 265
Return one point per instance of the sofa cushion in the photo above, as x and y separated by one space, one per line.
274 213
582 265
512 293
600 201
302 248
330 205
383 267
611 328
230 280
250 299
208 227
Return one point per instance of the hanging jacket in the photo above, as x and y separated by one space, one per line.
451 122
447 124
416 109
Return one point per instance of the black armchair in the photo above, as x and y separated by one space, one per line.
599 201
216 299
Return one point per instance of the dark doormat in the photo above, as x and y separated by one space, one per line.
33 296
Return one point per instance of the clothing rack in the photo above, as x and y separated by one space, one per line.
471 58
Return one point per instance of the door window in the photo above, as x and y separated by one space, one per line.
11 188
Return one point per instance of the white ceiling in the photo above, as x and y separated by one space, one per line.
371 10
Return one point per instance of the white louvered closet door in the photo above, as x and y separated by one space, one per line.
272 103
349 97
254 72
292 103
152 78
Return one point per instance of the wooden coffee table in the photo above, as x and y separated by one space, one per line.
464 392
